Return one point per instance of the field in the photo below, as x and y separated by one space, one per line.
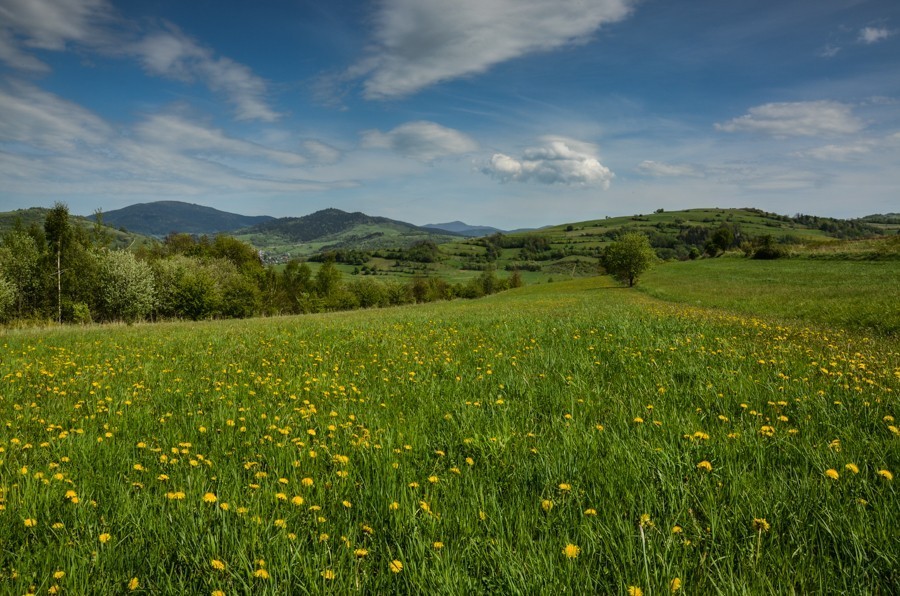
573 437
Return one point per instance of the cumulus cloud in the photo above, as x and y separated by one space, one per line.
802 118
871 35
173 55
422 140
559 160
421 42
662 169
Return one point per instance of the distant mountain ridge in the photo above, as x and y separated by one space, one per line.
465 229
161 218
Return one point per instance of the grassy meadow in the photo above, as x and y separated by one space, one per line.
573 437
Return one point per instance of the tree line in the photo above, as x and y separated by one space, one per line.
70 274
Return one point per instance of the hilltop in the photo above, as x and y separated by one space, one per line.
161 218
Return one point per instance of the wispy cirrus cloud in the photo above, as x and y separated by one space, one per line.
661 169
802 118
560 160
418 43
50 145
58 25
174 55
422 140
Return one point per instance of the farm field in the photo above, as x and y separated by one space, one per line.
573 437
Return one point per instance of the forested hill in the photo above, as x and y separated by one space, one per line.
161 218
331 222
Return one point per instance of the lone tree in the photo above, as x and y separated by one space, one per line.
628 258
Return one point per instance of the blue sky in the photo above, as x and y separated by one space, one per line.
509 113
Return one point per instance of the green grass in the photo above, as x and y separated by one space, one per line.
861 295
468 415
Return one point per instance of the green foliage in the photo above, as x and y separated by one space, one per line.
628 258
8 295
126 286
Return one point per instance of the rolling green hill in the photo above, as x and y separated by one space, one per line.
161 218
25 218
333 229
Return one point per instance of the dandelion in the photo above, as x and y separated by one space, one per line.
217 593
852 468
438 545
590 512
635 591
133 584
104 538
565 487
832 473
298 500
885 474
307 482
705 465
433 479
209 498
328 574
217 565
646 522
30 523
360 553
396 566
261 574
571 551
347 504
394 506
59 574
677 530
547 505
675 585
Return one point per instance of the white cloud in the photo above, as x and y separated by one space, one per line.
422 140
829 51
662 169
49 25
51 146
802 118
559 160
173 55
871 35
422 42
837 152
93 24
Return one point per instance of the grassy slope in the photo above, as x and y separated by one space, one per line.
862 295
517 382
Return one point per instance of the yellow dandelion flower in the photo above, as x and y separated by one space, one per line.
638 420
571 551
635 591
852 468
209 498
104 538
885 474
360 552
832 473
280 523
564 486
328 574
30 523
307 482
394 506
59 574
347 504
705 465
396 566
677 530
298 500
261 574
675 585
760 524
547 505
217 593
438 545
133 584
323 537
591 512
646 522
470 461
217 565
